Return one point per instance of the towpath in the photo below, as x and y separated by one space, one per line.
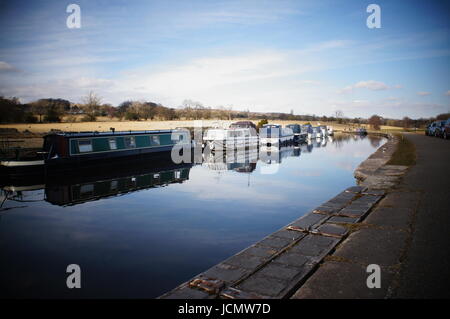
407 235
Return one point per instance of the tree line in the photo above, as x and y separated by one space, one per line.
56 110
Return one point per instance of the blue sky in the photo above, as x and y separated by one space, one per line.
313 57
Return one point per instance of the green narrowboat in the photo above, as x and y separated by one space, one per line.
68 150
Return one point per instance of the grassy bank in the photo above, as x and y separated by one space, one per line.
104 124
405 154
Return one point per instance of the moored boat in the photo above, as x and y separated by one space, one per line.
275 135
233 138
67 150
299 136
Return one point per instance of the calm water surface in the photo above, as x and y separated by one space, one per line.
138 235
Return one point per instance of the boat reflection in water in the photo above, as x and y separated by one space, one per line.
242 161
245 160
272 155
90 186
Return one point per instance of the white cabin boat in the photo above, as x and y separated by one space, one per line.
232 138
275 135
317 132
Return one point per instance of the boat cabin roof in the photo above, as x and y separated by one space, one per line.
109 133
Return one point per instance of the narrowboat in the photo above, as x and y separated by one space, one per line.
299 136
229 139
275 135
69 150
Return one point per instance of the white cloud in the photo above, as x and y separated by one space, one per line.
423 93
6 67
370 85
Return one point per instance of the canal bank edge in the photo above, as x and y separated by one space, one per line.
281 263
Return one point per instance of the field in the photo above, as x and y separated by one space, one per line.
104 124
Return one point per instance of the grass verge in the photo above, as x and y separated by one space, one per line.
405 154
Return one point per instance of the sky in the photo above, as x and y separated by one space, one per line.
312 57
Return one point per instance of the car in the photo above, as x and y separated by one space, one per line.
427 129
446 131
439 130
431 128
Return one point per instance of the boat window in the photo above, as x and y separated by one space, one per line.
112 144
129 142
177 174
155 140
114 184
85 146
87 189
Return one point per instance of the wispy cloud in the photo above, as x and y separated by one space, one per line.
6 67
370 85
423 93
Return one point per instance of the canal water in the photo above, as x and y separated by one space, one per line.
140 232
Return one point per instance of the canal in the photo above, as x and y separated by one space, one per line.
140 232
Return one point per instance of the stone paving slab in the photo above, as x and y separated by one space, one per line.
227 273
276 280
354 213
275 242
264 285
245 260
315 247
332 230
289 234
343 220
291 259
259 251
327 210
308 221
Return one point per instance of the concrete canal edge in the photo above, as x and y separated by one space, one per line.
281 264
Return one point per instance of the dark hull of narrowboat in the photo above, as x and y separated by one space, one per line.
74 164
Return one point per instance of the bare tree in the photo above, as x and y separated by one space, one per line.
339 115
39 108
375 122
91 106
